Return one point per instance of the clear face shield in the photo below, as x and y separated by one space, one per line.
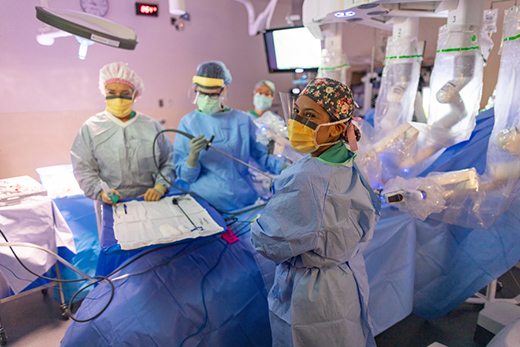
208 88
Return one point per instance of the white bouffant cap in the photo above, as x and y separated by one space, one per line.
119 73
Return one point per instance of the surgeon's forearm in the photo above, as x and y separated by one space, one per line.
192 160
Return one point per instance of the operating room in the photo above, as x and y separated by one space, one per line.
437 107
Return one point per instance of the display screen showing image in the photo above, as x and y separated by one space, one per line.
289 49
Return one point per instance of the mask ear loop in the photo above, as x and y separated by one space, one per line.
351 137
326 124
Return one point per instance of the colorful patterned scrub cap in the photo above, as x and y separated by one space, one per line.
335 98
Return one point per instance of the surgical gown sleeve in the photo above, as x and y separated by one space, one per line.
182 150
318 215
86 168
259 153
291 221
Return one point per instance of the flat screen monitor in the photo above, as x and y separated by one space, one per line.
292 49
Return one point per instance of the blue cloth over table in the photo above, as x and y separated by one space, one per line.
319 220
223 182
164 305
78 211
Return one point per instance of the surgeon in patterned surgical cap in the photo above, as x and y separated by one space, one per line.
321 217
115 146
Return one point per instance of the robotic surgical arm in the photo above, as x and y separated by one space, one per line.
458 197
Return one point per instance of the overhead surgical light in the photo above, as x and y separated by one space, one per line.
86 27
344 14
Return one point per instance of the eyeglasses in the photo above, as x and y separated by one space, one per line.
113 95
211 95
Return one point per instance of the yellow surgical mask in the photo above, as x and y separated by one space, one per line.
301 137
119 106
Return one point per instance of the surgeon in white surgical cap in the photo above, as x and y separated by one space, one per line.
115 146
263 96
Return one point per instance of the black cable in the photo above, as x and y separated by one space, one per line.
34 273
112 291
69 306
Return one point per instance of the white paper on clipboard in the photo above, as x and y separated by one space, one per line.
143 223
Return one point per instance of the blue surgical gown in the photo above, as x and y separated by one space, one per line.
320 219
223 182
121 154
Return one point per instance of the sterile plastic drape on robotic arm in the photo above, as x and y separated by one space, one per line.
394 105
471 200
456 87
384 146
334 63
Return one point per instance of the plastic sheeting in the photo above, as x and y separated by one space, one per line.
387 130
408 148
456 89
477 201
429 267
36 220
395 102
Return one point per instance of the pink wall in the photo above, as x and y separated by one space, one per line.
46 92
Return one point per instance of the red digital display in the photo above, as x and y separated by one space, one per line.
144 9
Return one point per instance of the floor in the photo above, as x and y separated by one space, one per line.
35 320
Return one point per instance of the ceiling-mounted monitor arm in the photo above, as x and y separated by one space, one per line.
263 21
373 13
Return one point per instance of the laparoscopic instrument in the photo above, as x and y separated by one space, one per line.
208 145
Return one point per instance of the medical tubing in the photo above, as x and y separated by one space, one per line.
16 276
30 245
178 188
145 253
94 280
60 259
110 281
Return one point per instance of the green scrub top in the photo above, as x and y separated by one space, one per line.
254 114
337 154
